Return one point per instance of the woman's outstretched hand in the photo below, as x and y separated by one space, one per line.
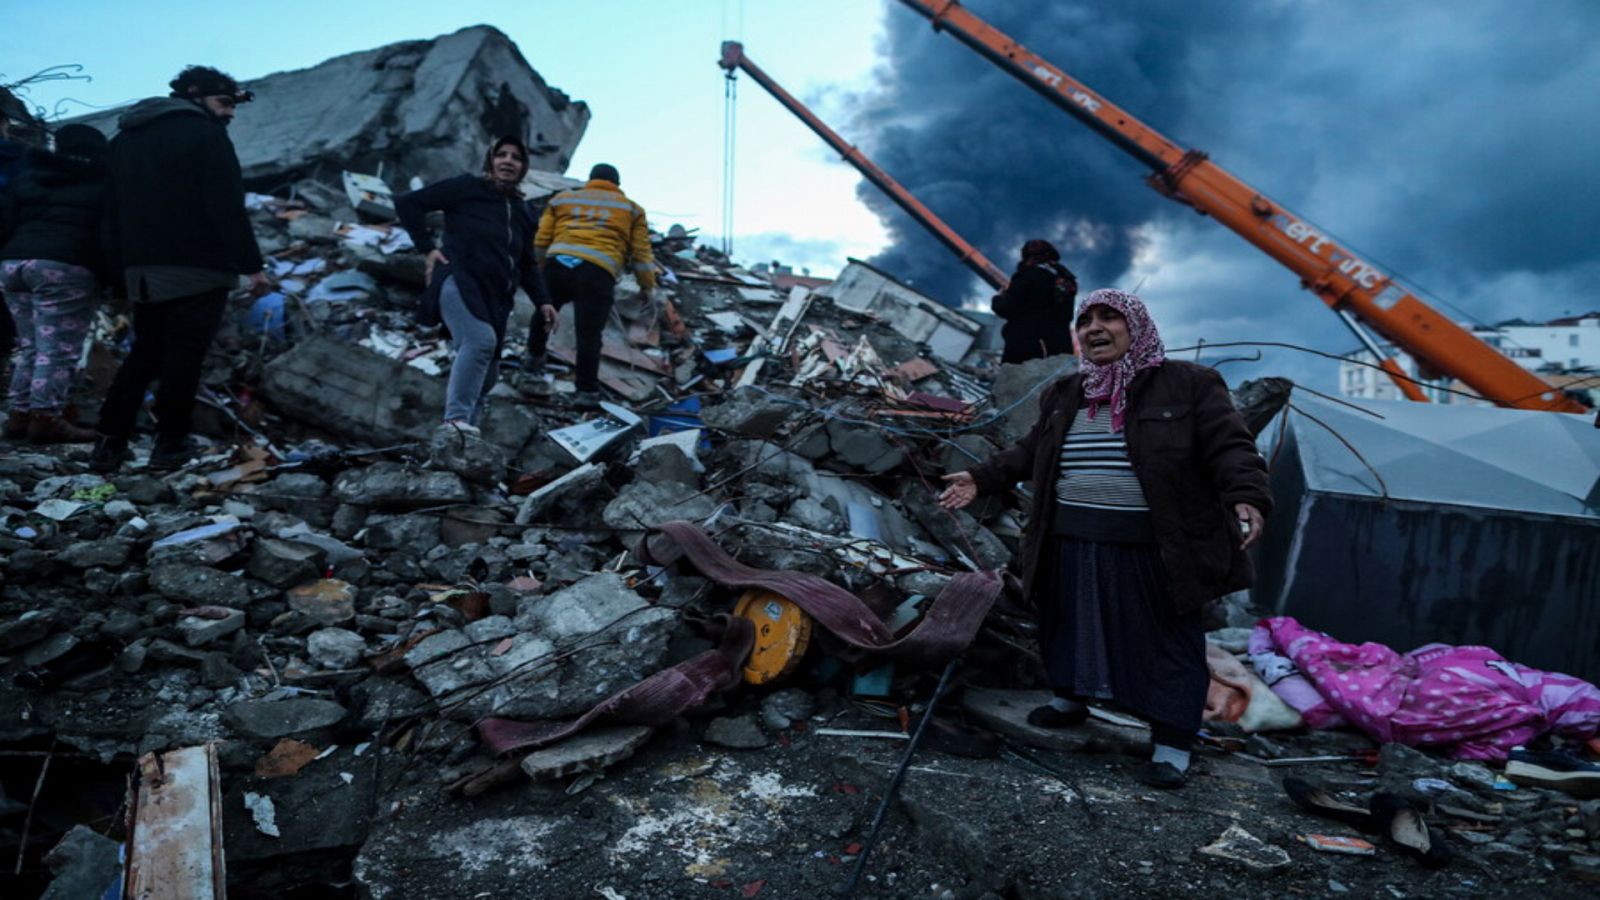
1250 522
959 492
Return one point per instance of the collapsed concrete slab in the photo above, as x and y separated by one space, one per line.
365 396
1016 391
424 108
559 656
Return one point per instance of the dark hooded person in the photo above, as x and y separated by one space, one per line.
473 276
180 237
1147 488
1037 305
52 266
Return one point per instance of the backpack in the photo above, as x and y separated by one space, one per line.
1066 284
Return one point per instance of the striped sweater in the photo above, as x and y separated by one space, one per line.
1098 496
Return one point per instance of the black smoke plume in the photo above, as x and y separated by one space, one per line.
1448 142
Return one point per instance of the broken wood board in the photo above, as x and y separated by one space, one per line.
175 840
631 384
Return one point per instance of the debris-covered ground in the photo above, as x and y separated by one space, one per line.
336 595
329 624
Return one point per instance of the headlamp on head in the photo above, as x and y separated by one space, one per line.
203 81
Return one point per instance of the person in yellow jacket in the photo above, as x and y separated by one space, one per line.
588 237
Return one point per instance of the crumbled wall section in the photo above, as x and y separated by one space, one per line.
424 108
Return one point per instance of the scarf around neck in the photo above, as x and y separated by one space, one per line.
1108 384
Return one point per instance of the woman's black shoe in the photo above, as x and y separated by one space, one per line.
1163 775
1048 716
1315 799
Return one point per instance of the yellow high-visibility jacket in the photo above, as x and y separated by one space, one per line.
598 223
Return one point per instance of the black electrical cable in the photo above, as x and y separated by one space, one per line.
848 889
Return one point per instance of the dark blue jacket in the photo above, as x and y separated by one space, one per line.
488 238
53 210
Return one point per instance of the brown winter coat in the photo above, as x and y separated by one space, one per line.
1194 459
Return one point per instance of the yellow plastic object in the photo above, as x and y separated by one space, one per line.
783 632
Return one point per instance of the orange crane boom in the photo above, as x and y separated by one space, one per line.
1338 276
733 57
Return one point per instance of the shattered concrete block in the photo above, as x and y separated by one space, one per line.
32 626
572 499
406 270
412 108
84 863
963 451
328 601
109 553
928 584
367 397
291 490
644 504
198 585
314 229
284 563
810 513
668 463
318 814
353 391
385 700
467 455
348 519
623 639
272 719
750 413
781 709
738 733
863 448
1016 389
956 530
590 751
335 648
198 631
389 485
411 534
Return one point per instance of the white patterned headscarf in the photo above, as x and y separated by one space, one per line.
1109 384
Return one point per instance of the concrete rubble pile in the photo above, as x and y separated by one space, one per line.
338 593
422 108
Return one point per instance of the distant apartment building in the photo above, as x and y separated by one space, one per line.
1564 352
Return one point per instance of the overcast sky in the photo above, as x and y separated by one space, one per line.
1449 140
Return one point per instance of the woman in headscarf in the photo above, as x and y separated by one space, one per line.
1037 305
472 280
1147 488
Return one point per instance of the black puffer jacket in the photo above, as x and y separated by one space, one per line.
177 198
53 211
488 238
1037 307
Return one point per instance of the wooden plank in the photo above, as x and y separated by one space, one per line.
175 841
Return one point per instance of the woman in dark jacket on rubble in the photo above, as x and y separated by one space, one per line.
1147 488
487 253
1037 305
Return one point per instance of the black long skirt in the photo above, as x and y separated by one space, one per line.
1108 631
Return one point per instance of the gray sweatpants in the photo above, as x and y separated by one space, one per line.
477 352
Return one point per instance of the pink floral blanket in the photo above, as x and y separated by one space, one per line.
1470 702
